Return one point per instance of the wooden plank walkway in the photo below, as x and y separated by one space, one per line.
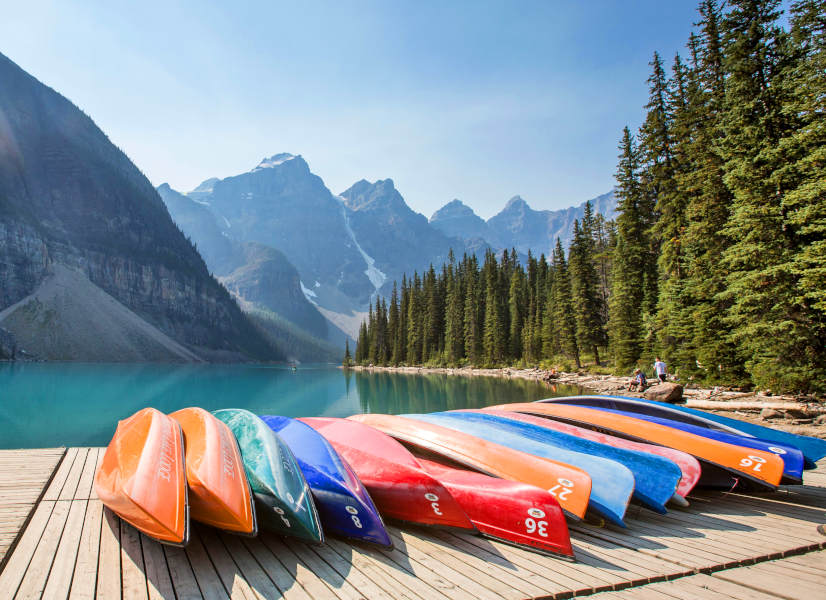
74 548
23 475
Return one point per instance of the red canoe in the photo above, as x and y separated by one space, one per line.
398 484
570 485
689 466
142 479
220 494
509 511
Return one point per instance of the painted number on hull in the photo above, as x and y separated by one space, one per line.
280 512
354 515
562 489
755 462
534 524
434 502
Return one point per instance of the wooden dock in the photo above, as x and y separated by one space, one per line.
724 546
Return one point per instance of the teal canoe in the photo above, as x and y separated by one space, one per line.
283 501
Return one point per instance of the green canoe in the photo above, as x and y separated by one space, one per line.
284 504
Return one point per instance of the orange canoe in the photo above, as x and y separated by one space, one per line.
219 491
756 466
142 478
571 486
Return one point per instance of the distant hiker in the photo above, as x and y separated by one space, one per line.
638 381
659 369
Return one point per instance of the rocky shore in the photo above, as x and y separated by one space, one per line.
805 415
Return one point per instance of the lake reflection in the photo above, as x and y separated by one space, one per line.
61 404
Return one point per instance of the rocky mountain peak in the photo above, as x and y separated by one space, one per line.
372 196
275 160
517 203
453 209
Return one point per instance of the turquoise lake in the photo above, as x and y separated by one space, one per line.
67 404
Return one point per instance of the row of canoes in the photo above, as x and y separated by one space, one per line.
511 472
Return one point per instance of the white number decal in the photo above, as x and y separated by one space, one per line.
280 512
540 527
354 515
434 502
755 462
777 450
356 521
562 489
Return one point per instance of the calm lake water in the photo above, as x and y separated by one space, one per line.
63 404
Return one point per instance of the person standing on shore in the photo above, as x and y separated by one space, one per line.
660 369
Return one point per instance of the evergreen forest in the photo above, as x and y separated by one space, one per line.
717 258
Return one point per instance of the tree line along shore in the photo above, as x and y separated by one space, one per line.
716 261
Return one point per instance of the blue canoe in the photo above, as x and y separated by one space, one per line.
611 482
655 478
792 457
343 504
813 449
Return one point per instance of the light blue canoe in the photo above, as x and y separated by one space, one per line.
813 449
612 483
655 477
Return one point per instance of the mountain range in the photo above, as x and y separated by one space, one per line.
347 248
98 265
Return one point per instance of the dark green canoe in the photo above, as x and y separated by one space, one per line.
284 504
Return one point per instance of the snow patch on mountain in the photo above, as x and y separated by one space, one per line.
376 277
274 161
308 293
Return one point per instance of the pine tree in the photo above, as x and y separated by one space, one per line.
586 298
348 360
766 314
454 317
628 276
563 318
492 329
473 328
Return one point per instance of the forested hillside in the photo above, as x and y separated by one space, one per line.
717 257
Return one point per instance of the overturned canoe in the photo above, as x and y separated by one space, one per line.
219 493
515 513
343 503
689 466
142 479
813 449
570 486
512 512
725 463
284 503
792 457
397 482
655 478
611 482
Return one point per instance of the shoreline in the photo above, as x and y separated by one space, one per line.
796 414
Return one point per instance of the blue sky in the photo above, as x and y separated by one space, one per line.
472 100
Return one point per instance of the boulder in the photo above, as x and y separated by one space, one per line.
665 392
769 413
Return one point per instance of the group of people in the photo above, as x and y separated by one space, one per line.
638 382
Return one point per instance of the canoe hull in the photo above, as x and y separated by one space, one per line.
219 492
792 457
343 503
689 466
401 489
284 503
142 476
515 513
